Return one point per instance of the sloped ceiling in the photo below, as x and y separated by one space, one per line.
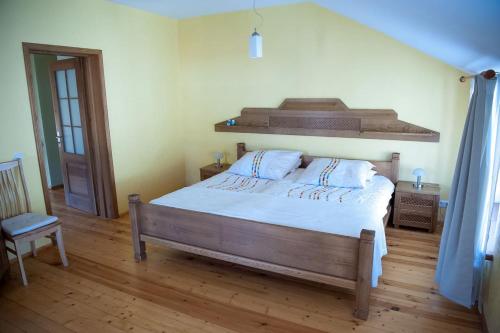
462 33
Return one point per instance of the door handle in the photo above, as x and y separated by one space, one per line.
59 138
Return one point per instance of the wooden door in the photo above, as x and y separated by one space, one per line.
68 97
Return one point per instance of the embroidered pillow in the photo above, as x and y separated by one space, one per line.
336 172
268 164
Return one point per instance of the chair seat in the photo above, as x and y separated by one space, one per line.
26 222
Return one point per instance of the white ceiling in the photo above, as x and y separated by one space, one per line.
462 33
181 9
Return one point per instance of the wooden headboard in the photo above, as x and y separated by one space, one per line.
389 168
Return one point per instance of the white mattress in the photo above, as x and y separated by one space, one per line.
342 211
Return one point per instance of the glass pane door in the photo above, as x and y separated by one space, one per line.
69 108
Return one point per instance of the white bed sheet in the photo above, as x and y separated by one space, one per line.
340 211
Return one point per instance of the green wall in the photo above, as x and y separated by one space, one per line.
41 65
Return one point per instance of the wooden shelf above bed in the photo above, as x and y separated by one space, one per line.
327 117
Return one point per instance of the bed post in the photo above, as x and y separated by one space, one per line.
364 281
395 167
240 150
134 202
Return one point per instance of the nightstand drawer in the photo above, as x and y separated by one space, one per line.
414 220
206 174
416 210
212 170
417 200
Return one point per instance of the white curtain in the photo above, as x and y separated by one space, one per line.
467 222
493 233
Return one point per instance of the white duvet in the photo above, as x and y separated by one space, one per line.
344 211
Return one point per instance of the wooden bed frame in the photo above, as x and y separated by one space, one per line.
331 259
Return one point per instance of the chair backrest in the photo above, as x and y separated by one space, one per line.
14 198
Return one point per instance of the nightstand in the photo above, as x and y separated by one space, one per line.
212 170
416 208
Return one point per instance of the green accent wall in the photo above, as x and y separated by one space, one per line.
41 78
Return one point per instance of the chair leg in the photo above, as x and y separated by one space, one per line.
53 239
33 248
60 246
20 263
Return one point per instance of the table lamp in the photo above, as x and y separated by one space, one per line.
419 173
218 156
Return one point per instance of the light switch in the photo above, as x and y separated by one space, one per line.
18 155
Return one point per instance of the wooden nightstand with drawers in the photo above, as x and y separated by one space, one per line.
212 170
416 208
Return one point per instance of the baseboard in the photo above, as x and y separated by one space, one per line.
484 324
123 214
56 187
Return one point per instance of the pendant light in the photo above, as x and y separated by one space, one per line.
255 42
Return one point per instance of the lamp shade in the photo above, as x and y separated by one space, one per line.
419 172
255 45
218 155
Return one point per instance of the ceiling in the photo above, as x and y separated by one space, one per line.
462 33
181 9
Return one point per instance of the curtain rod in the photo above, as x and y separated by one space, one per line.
488 74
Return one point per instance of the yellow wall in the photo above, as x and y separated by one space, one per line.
308 52
161 115
141 73
312 52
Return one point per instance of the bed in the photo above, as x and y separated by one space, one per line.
287 234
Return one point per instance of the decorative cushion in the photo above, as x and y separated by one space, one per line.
26 222
336 172
268 164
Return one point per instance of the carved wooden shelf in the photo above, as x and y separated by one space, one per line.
327 117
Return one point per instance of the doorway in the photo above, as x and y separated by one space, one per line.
67 97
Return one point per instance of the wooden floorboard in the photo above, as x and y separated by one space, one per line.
104 290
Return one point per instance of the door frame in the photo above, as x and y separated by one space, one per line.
97 116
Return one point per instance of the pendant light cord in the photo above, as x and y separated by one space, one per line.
259 15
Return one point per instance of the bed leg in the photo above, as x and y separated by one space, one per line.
134 204
365 266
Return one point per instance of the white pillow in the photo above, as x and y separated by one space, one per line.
269 164
370 175
336 172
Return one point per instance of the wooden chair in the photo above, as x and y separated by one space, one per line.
18 223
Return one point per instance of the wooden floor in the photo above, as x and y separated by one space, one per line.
104 290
